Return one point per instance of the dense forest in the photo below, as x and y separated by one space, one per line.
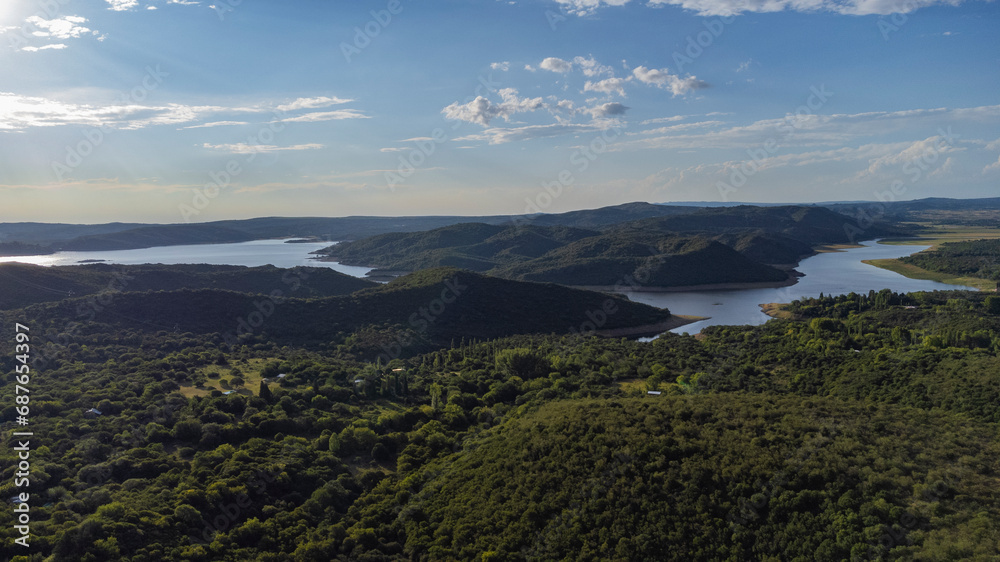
698 247
974 258
862 428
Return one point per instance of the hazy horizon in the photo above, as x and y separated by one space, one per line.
166 111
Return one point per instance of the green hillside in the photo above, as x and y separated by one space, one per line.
22 284
863 428
569 256
427 308
610 259
809 225
723 477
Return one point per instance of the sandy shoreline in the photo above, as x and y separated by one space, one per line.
684 288
675 321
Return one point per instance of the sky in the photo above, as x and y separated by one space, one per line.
173 111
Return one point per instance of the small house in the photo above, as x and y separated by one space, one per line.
654 392
91 413
228 392
282 375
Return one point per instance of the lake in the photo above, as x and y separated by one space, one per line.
830 273
252 254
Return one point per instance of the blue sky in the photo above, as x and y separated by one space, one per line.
187 110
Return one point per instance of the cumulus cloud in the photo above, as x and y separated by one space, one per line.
611 109
122 5
607 86
663 79
482 111
66 27
592 68
555 64
504 66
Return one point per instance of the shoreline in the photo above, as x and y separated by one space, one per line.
675 321
775 310
688 288
914 272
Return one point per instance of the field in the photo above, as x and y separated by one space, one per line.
248 369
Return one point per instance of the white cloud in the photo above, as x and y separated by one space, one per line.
56 46
607 86
217 124
504 66
312 103
735 7
927 150
821 130
243 148
482 111
611 109
662 78
66 27
555 64
592 68
530 132
122 5
19 112
326 116
992 167
587 7
744 66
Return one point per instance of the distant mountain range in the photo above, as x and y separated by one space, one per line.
36 238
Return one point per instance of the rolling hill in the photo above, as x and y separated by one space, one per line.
23 285
430 307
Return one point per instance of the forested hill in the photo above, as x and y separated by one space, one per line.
810 225
700 246
427 308
863 429
23 284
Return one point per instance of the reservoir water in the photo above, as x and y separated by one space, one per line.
251 254
831 273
